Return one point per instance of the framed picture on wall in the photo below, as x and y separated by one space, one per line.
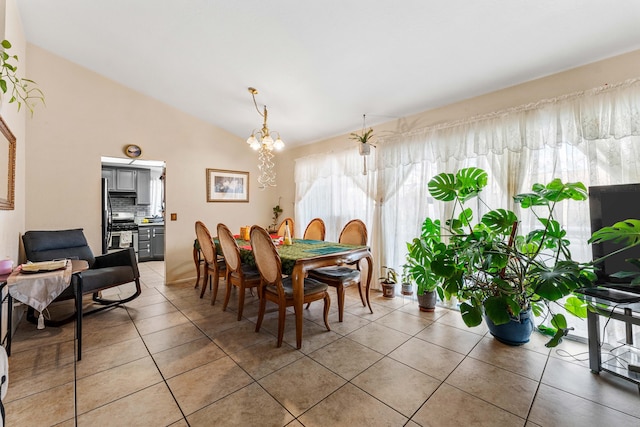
227 186
7 167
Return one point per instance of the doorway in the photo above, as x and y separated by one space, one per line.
133 206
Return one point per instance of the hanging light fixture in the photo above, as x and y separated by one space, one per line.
264 145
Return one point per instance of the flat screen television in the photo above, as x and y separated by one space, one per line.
609 204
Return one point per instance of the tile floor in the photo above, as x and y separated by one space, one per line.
172 359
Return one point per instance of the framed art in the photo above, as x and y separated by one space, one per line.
227 186
7 167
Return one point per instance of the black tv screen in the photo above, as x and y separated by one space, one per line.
609 204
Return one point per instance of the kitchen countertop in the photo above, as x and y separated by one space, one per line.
148 224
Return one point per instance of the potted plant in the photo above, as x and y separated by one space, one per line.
388 282
420 254
22 90
500 273
406 280
277 210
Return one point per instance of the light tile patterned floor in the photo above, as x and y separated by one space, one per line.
172 359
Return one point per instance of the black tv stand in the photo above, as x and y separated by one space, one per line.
620 305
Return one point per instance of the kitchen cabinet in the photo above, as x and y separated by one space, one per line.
157 242
143 187
150 242
131 181
125 179
120 179
110 175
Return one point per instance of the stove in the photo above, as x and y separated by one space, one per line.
123 221
123 231
124 226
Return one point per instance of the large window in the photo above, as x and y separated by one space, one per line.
592 137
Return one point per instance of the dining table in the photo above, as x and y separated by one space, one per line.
304 255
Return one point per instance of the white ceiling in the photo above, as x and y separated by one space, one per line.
319 66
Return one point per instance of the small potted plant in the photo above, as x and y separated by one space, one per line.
406 280
388 282
277 210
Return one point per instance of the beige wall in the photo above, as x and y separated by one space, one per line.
88 116
12 221
597 74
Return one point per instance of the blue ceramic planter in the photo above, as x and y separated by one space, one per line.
516 332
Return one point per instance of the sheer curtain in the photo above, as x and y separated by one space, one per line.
333 187
591 136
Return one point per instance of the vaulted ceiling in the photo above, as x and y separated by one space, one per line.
321 65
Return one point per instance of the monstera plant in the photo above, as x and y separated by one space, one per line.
493 268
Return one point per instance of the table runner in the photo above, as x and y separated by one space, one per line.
300 249
38 290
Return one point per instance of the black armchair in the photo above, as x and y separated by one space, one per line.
105 271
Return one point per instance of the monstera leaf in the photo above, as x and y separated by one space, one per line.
464 185
626 232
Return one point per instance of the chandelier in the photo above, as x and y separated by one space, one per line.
264 145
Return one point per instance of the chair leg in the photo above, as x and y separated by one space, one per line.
327 304
227 295
282 312
214 292
241 292
204 279
263 303
109 303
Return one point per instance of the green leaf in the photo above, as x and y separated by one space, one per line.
496 309
471 315
443 187
6 44
3 86
576 306
626 232
559 321
500 221
469 182
557 339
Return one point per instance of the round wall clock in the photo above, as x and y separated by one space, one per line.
132 151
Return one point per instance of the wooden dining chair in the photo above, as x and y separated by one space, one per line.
353 233
282 226
315 230
239 274
214 265
278 290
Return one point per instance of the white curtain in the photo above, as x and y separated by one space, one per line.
592 137
333 187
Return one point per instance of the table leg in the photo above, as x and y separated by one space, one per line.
593 328
78 291
9 322
297 279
